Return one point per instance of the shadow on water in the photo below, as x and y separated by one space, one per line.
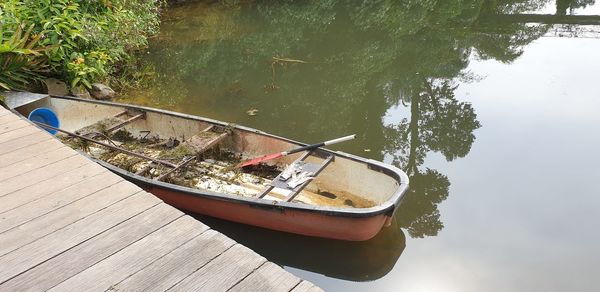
320 69
355 261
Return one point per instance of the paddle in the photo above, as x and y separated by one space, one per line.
284 153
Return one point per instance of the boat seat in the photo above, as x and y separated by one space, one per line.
200 142
205 140
282 182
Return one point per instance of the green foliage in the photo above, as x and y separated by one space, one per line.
21 58
88 39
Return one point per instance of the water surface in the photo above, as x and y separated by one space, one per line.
494 118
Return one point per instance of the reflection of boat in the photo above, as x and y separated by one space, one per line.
355 261
350 198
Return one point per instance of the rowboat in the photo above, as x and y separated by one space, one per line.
191 163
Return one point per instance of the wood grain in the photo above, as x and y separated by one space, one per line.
135 257
178 264
223 272
269 277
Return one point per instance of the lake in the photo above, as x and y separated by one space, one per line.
491 107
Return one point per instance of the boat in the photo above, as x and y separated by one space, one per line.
191 163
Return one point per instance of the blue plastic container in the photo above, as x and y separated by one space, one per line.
45 116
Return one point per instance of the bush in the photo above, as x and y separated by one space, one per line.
83 40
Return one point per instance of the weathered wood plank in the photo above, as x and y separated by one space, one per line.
24 141
49 186
11 135
269 277
13 126
20 260
86 254
177 265
36 162
223 272
29 151
56 200
49 171
44 225
8 118
306 286
135 257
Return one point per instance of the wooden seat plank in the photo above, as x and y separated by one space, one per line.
101 276
56 200
49 186
43 225
36 162
32 254
71 262
29 151
220 274
33 177
178 264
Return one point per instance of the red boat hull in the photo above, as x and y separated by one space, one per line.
297 221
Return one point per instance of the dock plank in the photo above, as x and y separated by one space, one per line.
306 286
33 177
36 162
56 200
53 244
101 276
48 223
49 186
8 118
11 135
84 255
178 264
13 126
220 274
269 277
14 144
28 151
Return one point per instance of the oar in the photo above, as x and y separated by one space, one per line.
284 153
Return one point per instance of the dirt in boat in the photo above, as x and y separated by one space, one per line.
214 169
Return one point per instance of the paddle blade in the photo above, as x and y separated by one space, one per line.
258 160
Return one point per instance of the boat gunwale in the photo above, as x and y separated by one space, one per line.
388 207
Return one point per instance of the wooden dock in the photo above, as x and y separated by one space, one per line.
67 224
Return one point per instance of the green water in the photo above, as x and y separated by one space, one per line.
494 120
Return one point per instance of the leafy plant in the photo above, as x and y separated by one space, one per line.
21 58
88 40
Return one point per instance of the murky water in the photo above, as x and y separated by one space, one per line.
496 122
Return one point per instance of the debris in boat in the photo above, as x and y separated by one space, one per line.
214 170
291 169
300 178
252 112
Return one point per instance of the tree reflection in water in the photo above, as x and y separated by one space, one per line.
332 67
